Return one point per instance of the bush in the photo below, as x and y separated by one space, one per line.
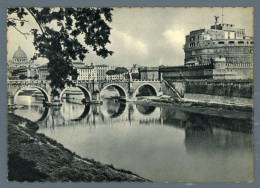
22 77
110 72
36 77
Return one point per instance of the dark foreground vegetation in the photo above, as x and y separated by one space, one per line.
35 157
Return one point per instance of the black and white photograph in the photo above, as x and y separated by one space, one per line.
130 94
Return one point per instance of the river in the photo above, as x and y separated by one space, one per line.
161 144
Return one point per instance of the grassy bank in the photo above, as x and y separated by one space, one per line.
35 157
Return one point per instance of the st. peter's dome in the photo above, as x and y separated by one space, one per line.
19 55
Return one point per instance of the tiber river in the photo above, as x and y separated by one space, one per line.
161 144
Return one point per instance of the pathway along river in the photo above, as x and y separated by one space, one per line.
161 144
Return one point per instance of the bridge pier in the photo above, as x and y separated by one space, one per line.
95 96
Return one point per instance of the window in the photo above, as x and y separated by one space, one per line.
240 42
221 42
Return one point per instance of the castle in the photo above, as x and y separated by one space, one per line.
221 52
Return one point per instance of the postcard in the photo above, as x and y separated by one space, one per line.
130 94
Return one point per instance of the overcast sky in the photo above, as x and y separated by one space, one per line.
148 36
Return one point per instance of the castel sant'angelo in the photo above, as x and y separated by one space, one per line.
221 52
221 40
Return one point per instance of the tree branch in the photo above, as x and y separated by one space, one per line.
37 22
17 19
24 34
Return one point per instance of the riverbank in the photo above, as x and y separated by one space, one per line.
201 107
35 157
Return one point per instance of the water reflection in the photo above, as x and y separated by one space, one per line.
84 113
161 144
45 114
113 109
145 110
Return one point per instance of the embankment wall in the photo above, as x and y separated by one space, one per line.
226 91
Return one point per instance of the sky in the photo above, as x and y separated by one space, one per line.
147 36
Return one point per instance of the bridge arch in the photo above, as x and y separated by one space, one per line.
85 91
45 94
119 88
145 84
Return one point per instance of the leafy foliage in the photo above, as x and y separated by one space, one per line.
22 77
118 70
110 72
36 77
121 70
62 36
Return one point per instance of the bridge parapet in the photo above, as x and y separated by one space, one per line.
115 81
26 82
137 80
82 81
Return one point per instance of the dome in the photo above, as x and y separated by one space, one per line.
19 54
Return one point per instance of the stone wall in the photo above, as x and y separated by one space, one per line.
168 89
241 89
220 91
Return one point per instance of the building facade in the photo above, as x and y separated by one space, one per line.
149 73
43 72
85 72
101 71
187 72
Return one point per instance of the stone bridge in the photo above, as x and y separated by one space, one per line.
128 89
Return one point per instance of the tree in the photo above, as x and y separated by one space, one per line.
36 76
22 77
118 70
121 70
63 35
110 72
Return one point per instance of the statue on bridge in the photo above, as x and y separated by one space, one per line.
161 76
130 76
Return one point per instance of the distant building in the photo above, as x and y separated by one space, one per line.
187 72
85 72
219 69
20 65
43 72
221 52
19 59
149 73
101 71
223 40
